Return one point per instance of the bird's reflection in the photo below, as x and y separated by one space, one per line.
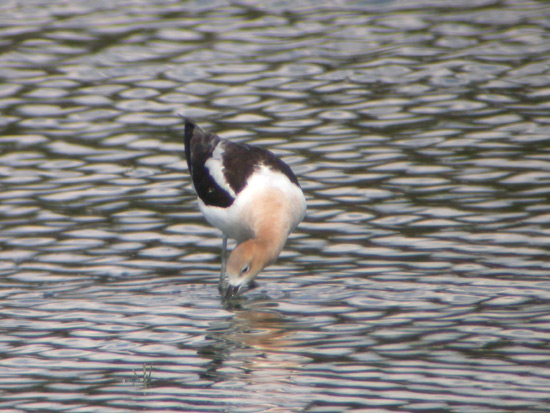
254 339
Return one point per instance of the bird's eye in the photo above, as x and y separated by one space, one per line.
245 269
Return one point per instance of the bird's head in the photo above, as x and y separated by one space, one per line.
244 264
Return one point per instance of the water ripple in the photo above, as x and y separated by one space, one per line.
417 282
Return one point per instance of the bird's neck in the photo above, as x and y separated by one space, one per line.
270 239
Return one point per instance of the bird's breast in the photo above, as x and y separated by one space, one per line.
269 203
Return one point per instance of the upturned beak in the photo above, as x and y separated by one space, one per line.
231 291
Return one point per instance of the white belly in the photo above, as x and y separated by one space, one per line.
240 220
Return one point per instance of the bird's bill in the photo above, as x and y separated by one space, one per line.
231 291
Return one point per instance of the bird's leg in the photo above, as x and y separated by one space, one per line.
224 263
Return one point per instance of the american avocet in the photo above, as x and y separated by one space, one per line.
247 193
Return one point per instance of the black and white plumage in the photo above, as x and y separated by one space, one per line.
249 194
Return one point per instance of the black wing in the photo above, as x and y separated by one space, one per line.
199 147
239 162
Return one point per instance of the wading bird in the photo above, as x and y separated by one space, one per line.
247 193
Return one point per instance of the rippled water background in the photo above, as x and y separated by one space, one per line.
420 131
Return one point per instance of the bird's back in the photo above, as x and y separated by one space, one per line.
221 169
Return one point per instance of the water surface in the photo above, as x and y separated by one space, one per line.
419 279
